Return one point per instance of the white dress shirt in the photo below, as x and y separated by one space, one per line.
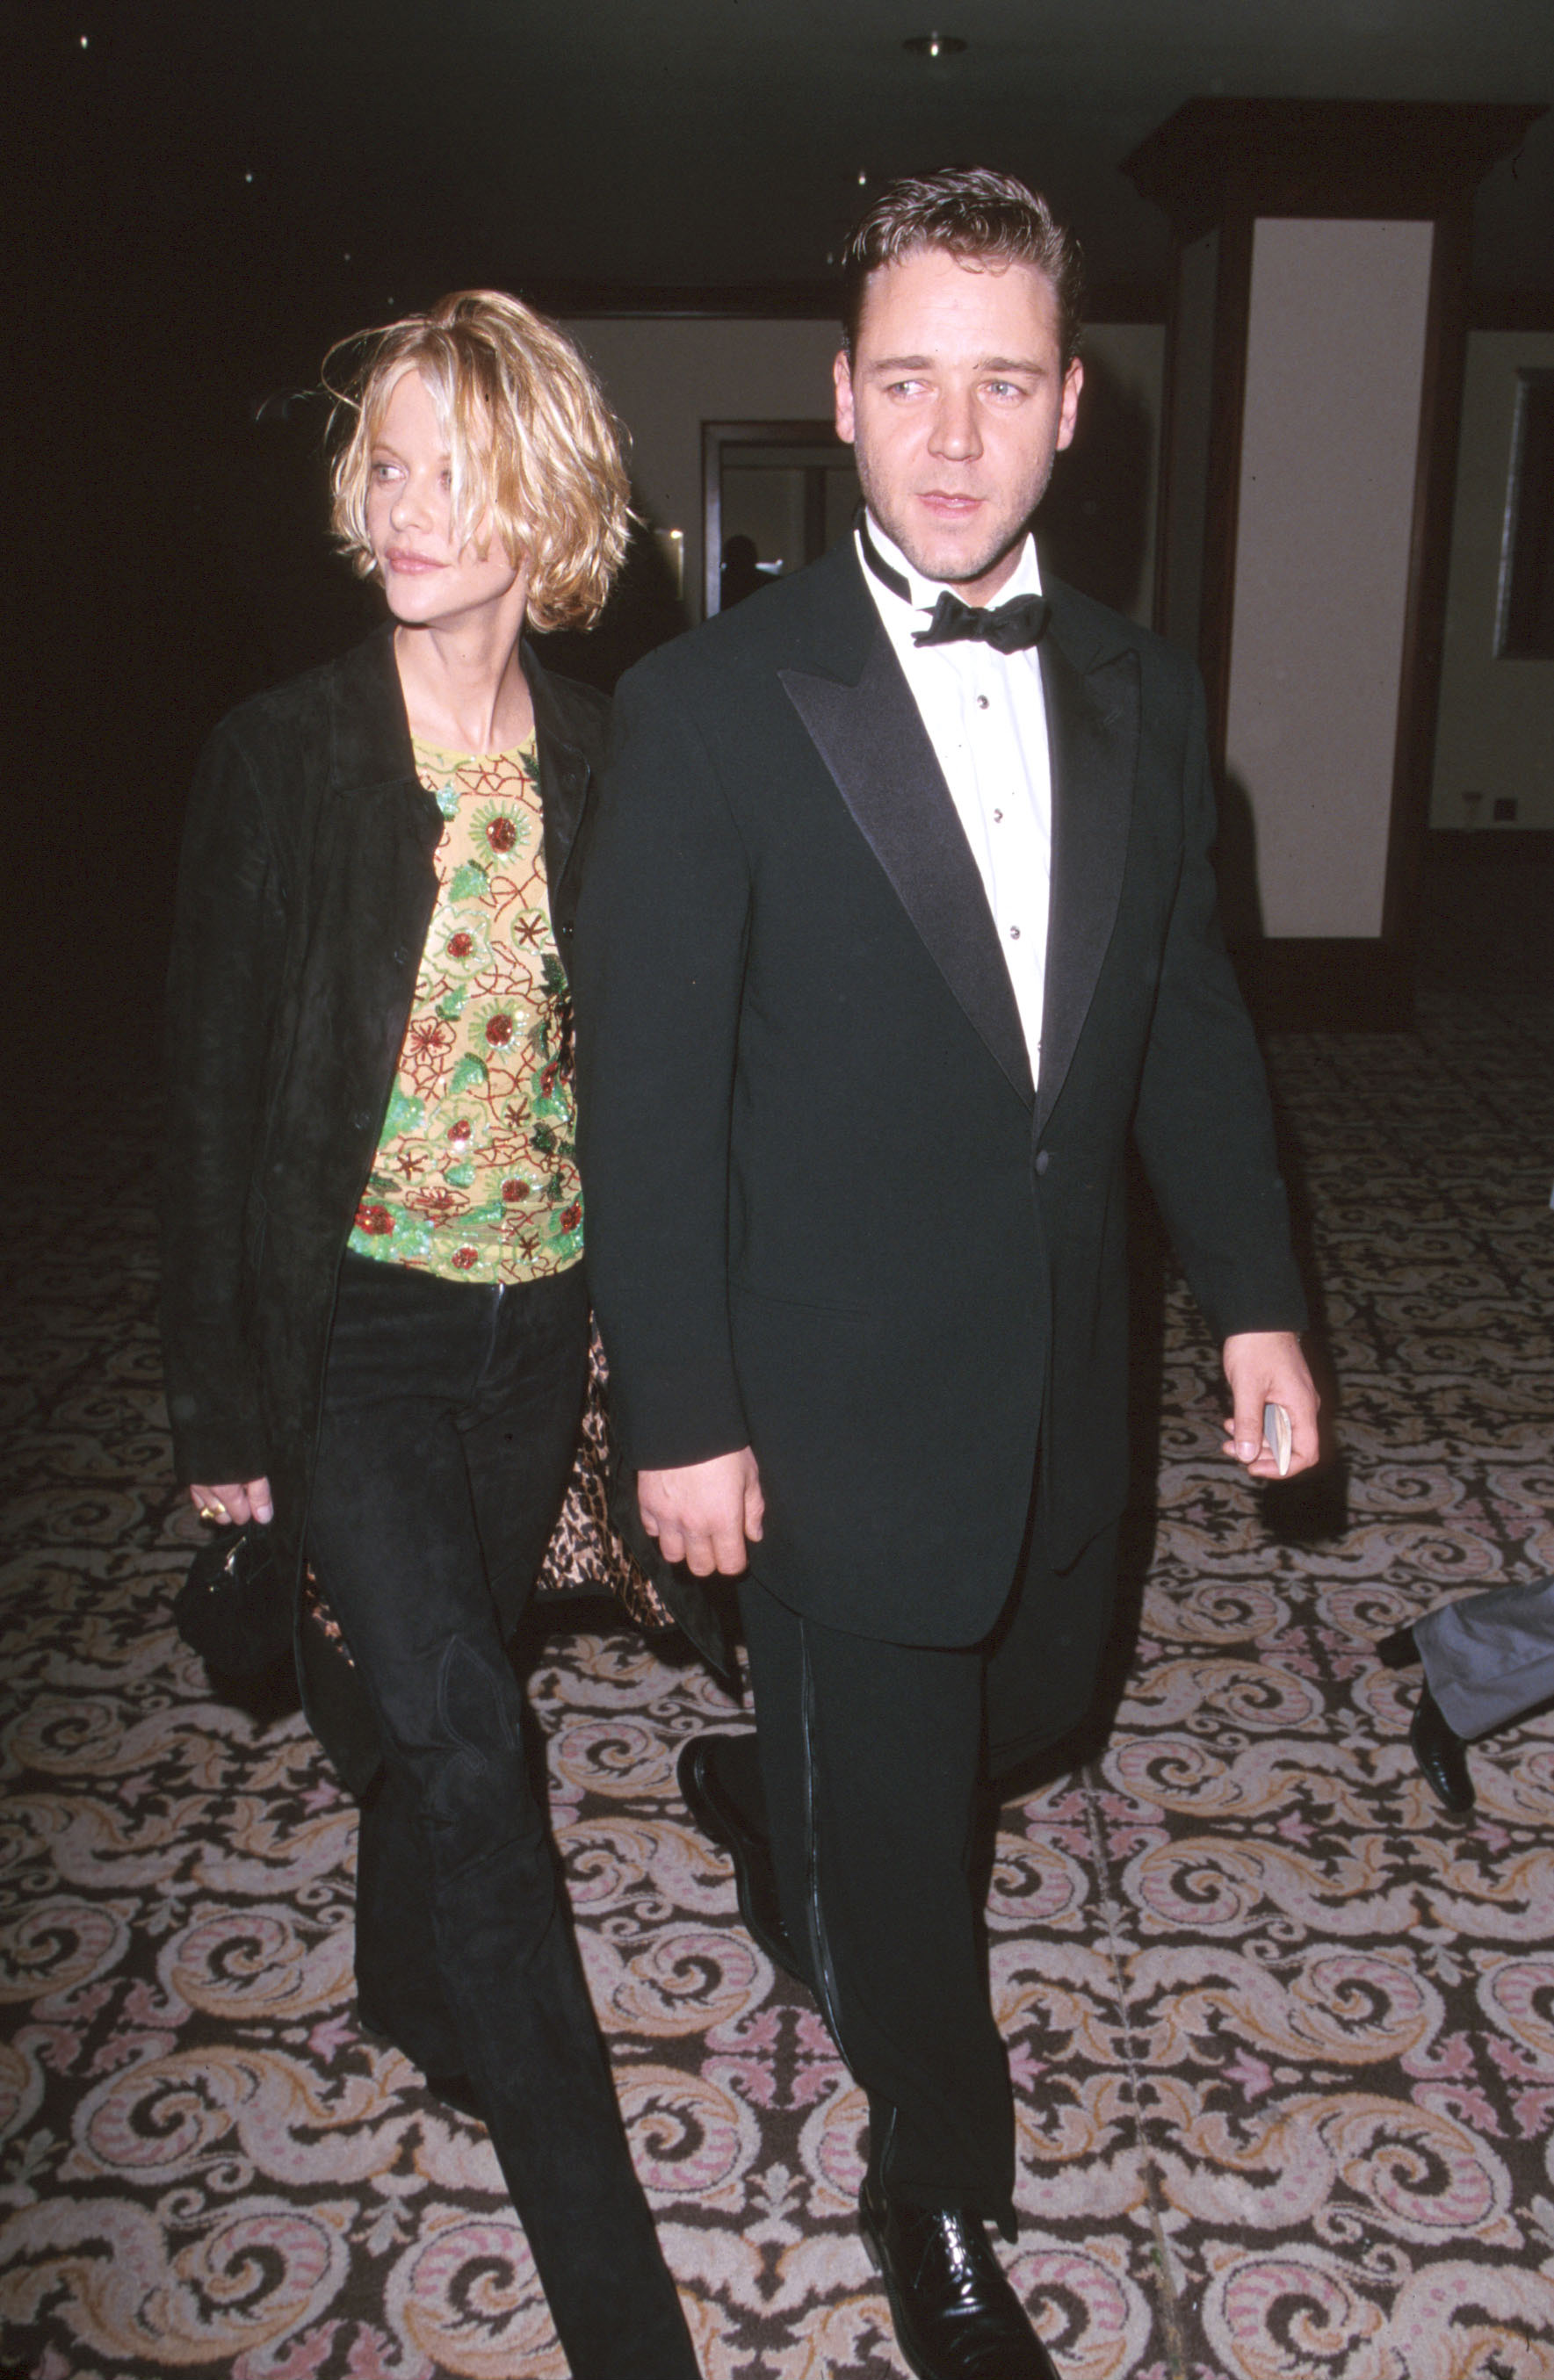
986 721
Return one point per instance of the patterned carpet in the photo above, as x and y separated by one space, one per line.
1284 2039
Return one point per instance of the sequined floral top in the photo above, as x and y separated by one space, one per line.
475 1174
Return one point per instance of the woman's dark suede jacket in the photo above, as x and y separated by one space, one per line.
305 892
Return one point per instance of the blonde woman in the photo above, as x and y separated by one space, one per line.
375 1322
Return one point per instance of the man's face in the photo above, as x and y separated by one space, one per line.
954 402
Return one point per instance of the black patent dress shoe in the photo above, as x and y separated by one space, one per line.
1442 1756
755 1877
454 2091
1399 1650
955 2315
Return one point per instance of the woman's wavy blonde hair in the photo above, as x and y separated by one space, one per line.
535 452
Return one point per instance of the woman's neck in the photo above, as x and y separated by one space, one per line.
463 687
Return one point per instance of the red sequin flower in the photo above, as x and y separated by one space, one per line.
499 1029
376 1220
460 944
465 1257
501 833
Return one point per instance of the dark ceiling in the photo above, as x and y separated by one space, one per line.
202 194
304 165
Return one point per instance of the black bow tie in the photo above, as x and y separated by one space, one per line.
1011 627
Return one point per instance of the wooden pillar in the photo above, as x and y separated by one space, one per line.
1313 385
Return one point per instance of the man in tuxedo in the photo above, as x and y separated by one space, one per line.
898 917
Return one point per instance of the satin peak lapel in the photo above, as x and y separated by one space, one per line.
1093 722
872 739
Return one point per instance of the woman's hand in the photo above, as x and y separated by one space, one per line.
239 1500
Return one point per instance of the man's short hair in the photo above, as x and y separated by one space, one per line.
974 213
535 449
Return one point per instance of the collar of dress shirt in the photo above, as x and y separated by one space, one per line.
1024 579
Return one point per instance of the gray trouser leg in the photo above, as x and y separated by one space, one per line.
1487 1658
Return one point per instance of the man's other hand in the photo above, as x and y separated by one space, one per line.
1267 1367
704 1514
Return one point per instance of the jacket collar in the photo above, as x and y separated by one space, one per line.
370 735
567 732
372 747
858 711
869 733
841 623
1090 678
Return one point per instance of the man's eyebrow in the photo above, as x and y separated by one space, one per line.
984 363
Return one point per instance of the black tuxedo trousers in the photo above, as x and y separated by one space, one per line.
872 1763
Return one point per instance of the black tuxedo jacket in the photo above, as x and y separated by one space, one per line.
828 1212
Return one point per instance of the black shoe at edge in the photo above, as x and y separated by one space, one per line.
956 2317
1442 1758
719 1818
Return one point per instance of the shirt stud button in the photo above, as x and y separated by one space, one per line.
998 817
1013 933
981 702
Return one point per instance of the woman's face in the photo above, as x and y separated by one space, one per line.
428 581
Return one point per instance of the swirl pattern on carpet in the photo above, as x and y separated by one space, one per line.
1282 2039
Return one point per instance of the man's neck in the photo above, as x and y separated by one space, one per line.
904 578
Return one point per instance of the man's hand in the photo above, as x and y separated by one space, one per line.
1267 1367
704 1514
239 1500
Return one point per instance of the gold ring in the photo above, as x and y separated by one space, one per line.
211 1512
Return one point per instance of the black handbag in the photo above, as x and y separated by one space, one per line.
235 1608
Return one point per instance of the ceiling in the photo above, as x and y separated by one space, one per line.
201 195
302 166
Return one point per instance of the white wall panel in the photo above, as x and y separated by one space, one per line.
1330 445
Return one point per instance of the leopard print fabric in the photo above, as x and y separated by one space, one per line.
585 1555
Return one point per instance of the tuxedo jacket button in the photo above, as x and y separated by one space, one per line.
1043 1156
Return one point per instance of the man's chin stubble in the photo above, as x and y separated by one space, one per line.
956 570
960 573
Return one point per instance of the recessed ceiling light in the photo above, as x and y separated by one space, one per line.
935 45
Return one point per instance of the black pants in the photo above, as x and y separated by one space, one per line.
874 1758
450 1416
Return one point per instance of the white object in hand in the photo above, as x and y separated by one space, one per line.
1277 1436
